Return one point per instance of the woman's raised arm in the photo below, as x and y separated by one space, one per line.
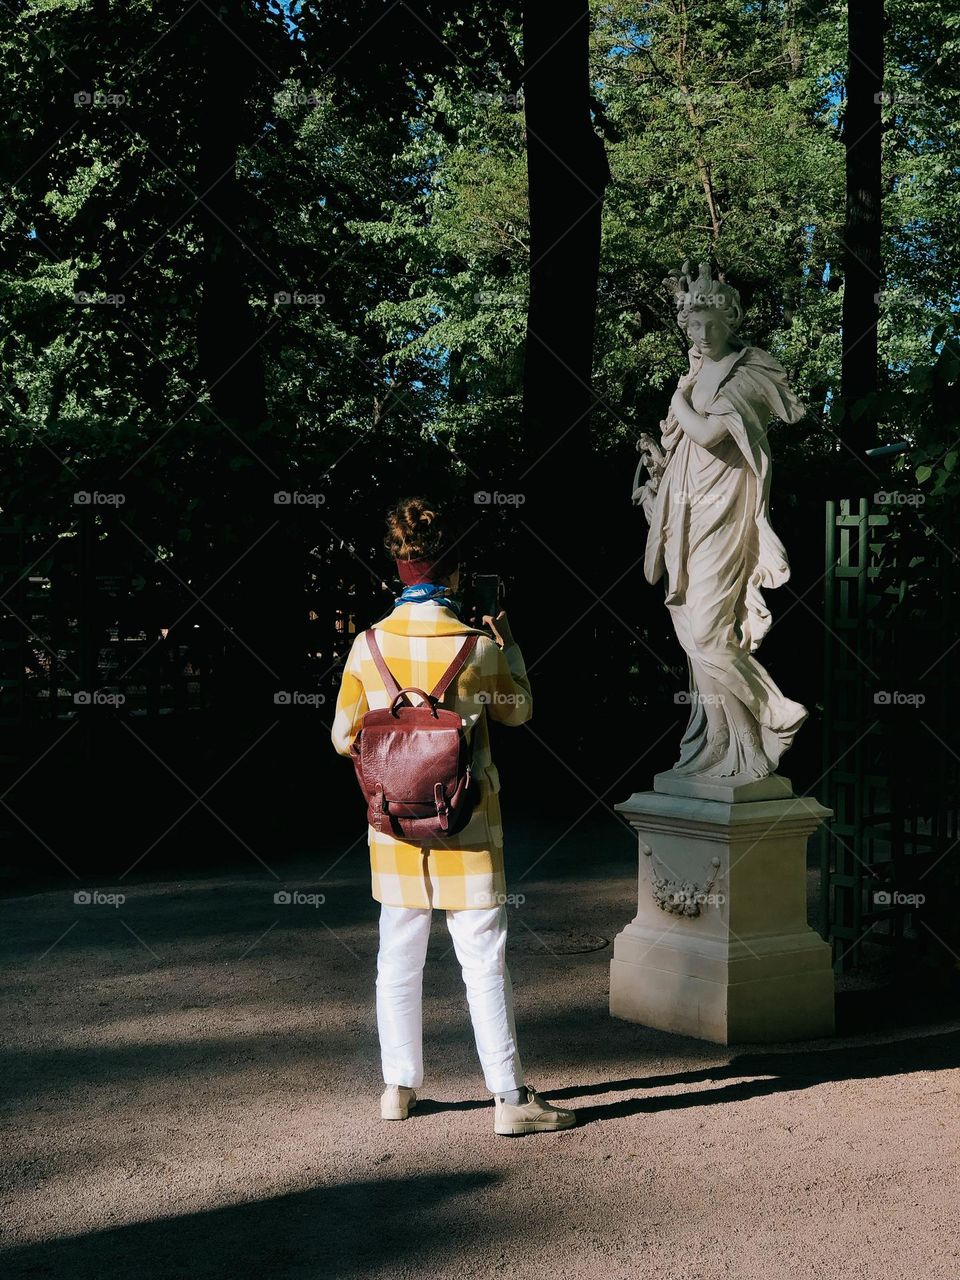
707 431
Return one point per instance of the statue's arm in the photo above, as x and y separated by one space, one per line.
707 431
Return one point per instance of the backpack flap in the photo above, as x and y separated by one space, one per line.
412 761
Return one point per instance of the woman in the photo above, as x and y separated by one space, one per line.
463 876
710 536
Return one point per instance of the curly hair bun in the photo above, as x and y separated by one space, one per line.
416 529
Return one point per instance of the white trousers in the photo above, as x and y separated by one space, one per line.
479 940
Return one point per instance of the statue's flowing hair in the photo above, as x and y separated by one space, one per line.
692 293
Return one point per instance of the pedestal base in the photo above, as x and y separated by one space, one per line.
720 948
731 790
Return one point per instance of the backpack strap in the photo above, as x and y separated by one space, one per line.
453 670
386 675
436 694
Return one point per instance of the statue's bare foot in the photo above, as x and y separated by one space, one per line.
711 757
756 761
751 761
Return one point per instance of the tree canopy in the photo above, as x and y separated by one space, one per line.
257 247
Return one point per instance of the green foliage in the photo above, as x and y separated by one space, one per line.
387 198
932 408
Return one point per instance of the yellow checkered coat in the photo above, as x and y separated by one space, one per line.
418 642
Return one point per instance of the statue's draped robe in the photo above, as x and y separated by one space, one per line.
710 536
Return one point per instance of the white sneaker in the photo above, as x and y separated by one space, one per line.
535 1116
396 1102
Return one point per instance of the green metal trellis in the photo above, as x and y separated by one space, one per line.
888 610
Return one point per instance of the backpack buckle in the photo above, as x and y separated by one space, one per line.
443 809
378 807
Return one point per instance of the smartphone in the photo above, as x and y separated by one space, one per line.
485 598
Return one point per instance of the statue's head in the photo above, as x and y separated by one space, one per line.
708 309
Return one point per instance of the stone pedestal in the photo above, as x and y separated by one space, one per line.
729 956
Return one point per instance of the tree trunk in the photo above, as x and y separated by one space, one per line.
567 175
230 363
862 263
256 605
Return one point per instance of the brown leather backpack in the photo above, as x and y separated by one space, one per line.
413 761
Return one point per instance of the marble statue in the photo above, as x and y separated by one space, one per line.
706 497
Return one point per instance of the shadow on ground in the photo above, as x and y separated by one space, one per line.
780 1072
356 1229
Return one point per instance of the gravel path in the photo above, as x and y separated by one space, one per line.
191 1091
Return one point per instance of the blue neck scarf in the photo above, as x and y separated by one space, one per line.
429 593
